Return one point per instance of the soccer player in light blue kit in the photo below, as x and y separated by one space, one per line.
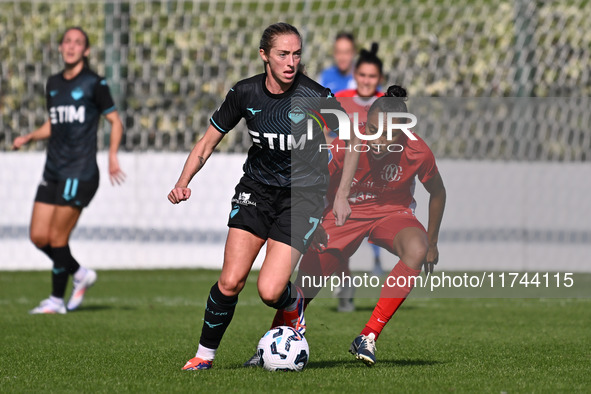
76 99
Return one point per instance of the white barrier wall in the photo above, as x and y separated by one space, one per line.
499 215
128 226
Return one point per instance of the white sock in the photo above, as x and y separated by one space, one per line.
56 300
371 335
205 353
80 274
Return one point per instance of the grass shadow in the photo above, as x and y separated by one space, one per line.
369 308
380 362
93 308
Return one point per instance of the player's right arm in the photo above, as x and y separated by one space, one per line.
196 160
437 197
41 133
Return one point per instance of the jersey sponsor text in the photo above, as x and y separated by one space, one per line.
67 114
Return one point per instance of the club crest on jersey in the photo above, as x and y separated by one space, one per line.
391 173
77 93
296 115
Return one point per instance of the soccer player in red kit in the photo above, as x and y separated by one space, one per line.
382 205
368 73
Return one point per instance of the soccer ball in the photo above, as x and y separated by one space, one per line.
283 349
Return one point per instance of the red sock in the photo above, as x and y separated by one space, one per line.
278 319
391 298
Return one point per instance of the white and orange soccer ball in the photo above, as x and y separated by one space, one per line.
283 349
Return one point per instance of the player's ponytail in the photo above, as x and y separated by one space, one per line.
370 57
392 101
374 49
397 91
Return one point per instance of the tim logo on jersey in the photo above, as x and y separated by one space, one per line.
286 141
67 114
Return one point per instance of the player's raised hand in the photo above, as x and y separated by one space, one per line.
341 210
179 194
432 258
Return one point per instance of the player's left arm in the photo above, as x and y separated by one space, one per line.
437 196
106 105
116 175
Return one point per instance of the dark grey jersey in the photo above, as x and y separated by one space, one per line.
286 138
75 107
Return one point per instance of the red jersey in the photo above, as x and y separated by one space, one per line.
386 184
353 103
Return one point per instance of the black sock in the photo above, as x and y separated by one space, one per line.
59 280
63 265
286 298
47 250
218 315
64 256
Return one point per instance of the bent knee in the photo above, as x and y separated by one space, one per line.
39 239
270 296
230 286
415 252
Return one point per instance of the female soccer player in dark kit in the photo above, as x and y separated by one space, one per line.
76 98
279 199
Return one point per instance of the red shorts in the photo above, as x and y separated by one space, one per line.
343 241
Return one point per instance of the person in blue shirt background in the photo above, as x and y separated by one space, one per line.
339 76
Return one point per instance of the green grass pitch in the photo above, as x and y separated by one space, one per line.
136 330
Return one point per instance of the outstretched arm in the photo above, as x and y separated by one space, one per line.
41 133
197 158
115 174
437 198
